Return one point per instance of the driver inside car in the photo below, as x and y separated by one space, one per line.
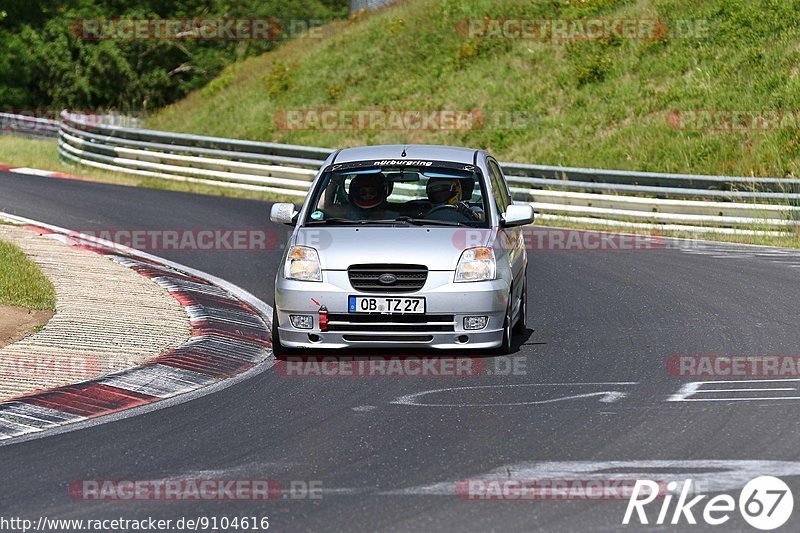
368 194
447 192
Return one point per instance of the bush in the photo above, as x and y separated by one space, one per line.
44 65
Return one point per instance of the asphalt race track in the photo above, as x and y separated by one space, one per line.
594 392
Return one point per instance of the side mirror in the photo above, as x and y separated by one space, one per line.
518 215
283 213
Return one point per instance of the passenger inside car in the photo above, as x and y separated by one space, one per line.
368 194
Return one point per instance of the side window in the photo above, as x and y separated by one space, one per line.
499 189
501 181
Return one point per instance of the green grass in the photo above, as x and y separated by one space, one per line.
599 104
41 154
22 284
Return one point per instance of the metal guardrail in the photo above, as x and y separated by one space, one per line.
40 127
28 126
690 182
711 203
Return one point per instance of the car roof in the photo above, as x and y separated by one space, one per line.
428 152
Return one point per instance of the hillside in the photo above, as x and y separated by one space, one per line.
603 103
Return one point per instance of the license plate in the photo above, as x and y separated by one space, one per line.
386 305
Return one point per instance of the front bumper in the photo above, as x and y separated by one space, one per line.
447 304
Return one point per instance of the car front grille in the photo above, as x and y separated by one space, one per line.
391 323
396 278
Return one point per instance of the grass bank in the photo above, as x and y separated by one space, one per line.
22 283
614 103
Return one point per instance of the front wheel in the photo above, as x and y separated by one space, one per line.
522 321
278 349
505 346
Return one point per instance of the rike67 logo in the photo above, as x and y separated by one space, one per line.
765 503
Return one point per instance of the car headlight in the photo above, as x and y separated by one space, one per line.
302 263
476 264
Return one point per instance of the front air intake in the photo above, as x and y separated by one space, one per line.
387 278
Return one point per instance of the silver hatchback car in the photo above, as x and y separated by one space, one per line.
406 246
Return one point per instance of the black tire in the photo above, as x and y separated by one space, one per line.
505 346
278 350
522 321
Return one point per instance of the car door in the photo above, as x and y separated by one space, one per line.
512 239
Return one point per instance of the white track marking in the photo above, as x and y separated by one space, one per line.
689 390
605 396
765 398
31 171
706 475
782 256
711 391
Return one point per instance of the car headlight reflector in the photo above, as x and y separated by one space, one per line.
302 263
476 264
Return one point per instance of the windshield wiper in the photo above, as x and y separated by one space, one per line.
430 222
346 221
403 219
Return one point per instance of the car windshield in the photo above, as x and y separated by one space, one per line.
435 194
